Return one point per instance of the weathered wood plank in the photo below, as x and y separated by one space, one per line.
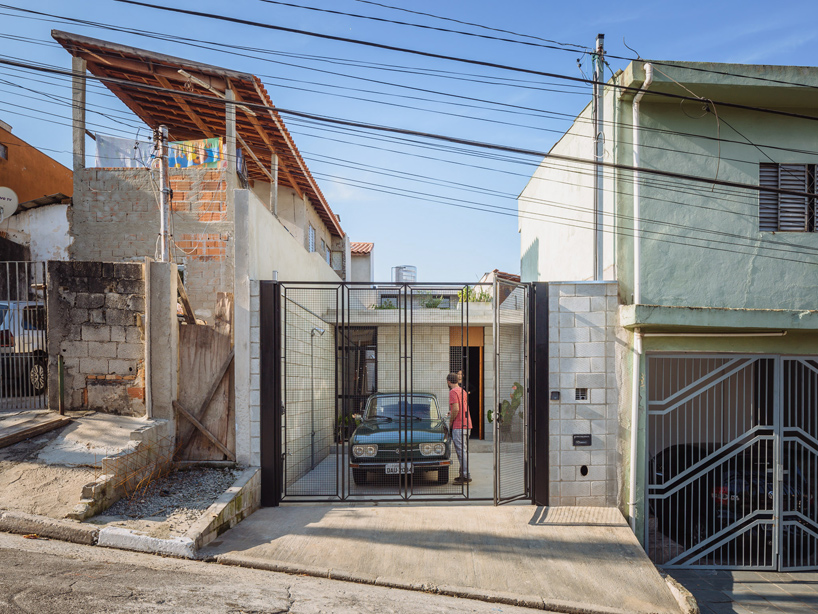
205 358
30 428
204 431
190 317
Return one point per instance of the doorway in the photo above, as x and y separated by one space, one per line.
466 355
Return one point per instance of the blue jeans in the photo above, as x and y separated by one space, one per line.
460 437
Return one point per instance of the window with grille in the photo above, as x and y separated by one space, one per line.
4 152
311 239
786 212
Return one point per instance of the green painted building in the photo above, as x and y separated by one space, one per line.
717 323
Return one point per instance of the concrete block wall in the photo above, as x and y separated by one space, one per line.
309 380
252 453
115 216
95 322
582 339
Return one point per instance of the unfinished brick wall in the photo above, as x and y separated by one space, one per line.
95 314
115 216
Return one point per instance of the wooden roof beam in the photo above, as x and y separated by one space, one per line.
181 102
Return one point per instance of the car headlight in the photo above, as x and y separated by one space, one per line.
366 451
432 449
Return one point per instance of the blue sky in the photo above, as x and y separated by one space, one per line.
414 200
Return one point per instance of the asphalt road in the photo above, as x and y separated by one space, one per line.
45 577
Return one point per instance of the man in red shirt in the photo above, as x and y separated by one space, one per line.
460 421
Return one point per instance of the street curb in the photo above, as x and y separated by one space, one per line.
126 539
687 602
65 530
527 601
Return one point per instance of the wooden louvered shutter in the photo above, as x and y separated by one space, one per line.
768 201
793 210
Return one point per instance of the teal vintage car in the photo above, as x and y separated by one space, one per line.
400 434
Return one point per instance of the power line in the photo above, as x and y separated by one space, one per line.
416 133
422 26
179 40
439 56
468 23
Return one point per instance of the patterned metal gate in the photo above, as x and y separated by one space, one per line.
366 375
733 461
23 347
511 439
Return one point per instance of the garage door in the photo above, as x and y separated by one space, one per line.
732 473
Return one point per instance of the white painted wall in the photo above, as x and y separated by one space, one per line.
44 230
273 248
363 267
556 209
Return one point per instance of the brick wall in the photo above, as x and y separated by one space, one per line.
94 313
115 216
582 320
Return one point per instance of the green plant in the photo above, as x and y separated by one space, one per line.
431 301
508 408
385 304
470 295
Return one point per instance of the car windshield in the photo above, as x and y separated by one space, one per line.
397 406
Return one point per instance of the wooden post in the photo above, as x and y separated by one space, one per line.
274 185
78 67
230 142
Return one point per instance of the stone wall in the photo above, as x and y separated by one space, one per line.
95 322
582 345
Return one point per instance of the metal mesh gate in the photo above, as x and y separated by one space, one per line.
733 461
511 401
370 375
23 349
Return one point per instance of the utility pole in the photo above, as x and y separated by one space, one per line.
164 203
599 153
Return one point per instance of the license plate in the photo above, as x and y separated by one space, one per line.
399 468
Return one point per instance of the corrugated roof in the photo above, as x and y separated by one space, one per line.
361 249
189 118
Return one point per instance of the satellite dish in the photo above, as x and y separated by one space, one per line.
8 203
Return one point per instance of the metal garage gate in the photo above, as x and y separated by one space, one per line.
364 391
733 461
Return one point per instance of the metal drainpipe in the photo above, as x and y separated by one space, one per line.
637 297
320 332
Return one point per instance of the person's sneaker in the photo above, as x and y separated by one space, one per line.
461 480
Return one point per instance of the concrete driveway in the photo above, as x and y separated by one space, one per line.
558 559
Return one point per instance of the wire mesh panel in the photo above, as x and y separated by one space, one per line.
712 496
799 431
312 455
384 391
23 342
510 411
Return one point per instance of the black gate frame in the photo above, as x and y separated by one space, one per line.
272 405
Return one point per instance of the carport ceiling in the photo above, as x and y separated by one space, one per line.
188 118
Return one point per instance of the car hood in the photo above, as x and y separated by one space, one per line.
414 431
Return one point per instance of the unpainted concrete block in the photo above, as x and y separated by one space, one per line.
96 333
90 301
121 367
120 317
102 349
116 301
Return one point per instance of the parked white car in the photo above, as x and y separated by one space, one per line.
23 352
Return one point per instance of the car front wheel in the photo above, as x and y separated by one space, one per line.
443 475
359 476
37 376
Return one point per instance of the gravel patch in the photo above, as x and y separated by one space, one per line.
171 504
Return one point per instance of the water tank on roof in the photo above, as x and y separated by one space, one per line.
404 273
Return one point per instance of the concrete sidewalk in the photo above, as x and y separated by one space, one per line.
557 559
